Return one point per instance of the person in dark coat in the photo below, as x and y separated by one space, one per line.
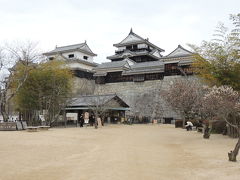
81 120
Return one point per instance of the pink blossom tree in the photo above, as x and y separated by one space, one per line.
220 103
185 97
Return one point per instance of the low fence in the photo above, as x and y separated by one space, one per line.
8 126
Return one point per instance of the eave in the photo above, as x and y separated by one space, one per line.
67 51
139 42
133 55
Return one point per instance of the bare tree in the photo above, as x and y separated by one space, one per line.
54 108
185 97
25 52
157 103
1 76
97 104
1 58
221 102
14 55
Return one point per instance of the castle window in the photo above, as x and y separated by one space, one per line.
134 47
85 57
51 58
71 56
129 47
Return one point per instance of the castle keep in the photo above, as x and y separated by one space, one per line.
137 67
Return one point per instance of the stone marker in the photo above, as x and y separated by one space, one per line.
24 125
19 125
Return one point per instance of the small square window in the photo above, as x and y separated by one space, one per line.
85 57
71 56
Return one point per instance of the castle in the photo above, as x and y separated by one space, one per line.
136 68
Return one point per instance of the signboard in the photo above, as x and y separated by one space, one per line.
72 116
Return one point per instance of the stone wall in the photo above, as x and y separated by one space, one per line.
82 86
129 91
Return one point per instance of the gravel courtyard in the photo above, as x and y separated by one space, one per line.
137 152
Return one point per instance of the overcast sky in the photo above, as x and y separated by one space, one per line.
102 23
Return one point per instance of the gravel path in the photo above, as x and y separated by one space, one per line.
137 152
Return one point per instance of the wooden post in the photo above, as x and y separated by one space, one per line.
64 118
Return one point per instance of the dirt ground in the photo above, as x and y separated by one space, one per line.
136 152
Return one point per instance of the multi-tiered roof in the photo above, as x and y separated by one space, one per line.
180 55
81 47
136 48
137 57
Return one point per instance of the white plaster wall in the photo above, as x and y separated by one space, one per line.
121 48
142 45
79 55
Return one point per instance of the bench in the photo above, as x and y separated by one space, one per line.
32 129
44 128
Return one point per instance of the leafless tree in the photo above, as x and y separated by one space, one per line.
1 58
11 56
185 97
25 52
221 102
98 105
54 109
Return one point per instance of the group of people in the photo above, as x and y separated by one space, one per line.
89 120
